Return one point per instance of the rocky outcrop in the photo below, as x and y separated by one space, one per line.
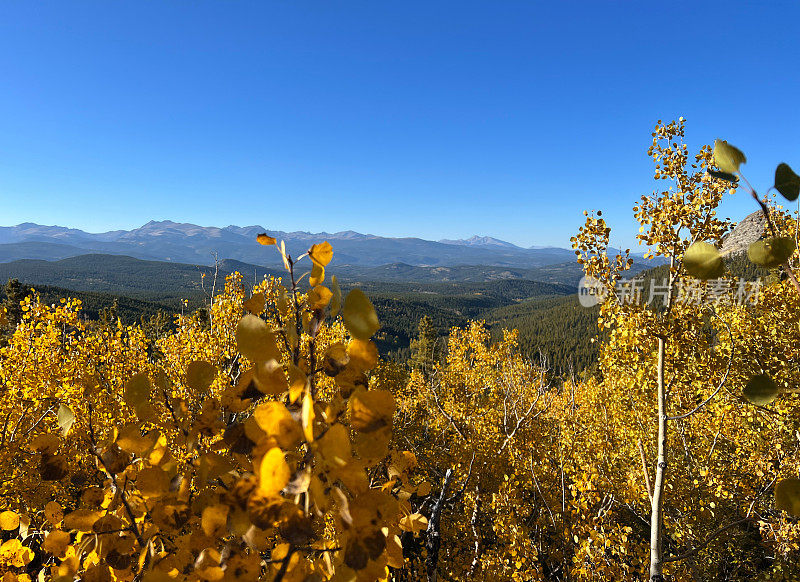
749 230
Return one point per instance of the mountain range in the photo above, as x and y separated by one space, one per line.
189 243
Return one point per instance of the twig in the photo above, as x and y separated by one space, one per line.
646 472
536 482
708 540
134 528
457 496
285 565
721 382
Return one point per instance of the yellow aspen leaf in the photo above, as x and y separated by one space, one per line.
371 410
137 390
704 261
256 303
282 302
359 315
81 519
424 489
207 567
394 551
308 417
335 359
761 390
46 444
107 523
335 408
317 275
13 553
265 239
351 379
255 340
363 354
66 570
355 555
263 510
53 513
727 157
373 508
115 459
257 539
137 396
321 254
199 376
353 476
244 567
334 446
401 463
270 378
56 542
276 421
211 466
214 520
9 520
291 336
274 472
772 252
152 482
319 297
787 496
238 397
97 573
239 522
253 431
65 418
414 523
374 446
131 440
160 452
297 382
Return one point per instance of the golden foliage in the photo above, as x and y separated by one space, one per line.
218 452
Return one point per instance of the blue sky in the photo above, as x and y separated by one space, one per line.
433 119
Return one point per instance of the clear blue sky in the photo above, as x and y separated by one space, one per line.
433 119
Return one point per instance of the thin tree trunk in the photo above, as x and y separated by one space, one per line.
434 536
656 517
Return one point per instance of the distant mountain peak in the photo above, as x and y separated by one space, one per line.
480 241
167 240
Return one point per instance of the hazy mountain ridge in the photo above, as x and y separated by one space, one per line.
189 243
481 241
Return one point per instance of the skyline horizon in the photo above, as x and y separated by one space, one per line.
431 120
268 230
458 241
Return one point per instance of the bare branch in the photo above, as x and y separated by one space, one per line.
708 540
646 472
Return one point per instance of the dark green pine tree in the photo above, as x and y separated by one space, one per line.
15 293
427 348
